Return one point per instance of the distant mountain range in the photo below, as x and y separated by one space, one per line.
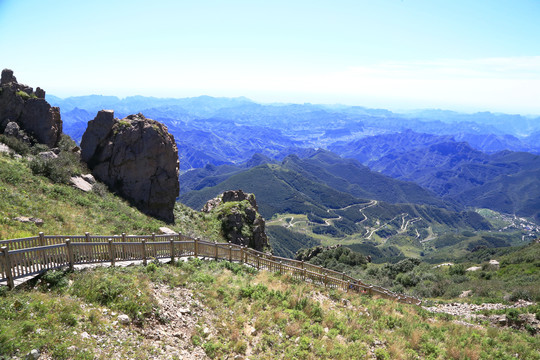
386 182
309 186
230 130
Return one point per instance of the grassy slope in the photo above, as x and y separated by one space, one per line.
266 316
68 211
517 278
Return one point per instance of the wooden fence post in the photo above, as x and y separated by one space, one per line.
241 254
123 241
153 237
111 252
7 263
196 247
70 254
230 252
303 271
258 262
87 236
144 261
325 279
216 248
41 239
172 251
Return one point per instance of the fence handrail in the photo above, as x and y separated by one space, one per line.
51 252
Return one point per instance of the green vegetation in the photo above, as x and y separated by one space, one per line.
286 243
26 96
517 278
252 314
385 231
38 188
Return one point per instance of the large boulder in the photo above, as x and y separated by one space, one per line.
136 157
241 222
28 109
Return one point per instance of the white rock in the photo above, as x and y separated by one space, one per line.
474 268
85 335
34 354
47 155
184 310
89 178
4 148
123 319
167 231
80 183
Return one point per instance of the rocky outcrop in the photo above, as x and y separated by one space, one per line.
29 110
241 222
136 157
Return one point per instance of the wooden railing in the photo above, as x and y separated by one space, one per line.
21 258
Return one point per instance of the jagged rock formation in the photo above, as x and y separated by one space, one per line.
21 107
136 157
241 222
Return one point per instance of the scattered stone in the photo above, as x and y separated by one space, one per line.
85 335
124 319
5 149
474 268
33 355
166 231
12 129
443 264
25 219
136 157
494 265
89 178
465 293
48 155
81 183
184 311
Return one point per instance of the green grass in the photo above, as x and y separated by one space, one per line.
259 315
66 210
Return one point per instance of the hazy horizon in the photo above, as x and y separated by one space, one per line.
411 54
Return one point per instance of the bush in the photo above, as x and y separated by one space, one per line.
19 146
520 294
458 269
58 170
54 279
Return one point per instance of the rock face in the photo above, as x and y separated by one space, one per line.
241 222
136 157
29 110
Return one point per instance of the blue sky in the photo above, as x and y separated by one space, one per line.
398 54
